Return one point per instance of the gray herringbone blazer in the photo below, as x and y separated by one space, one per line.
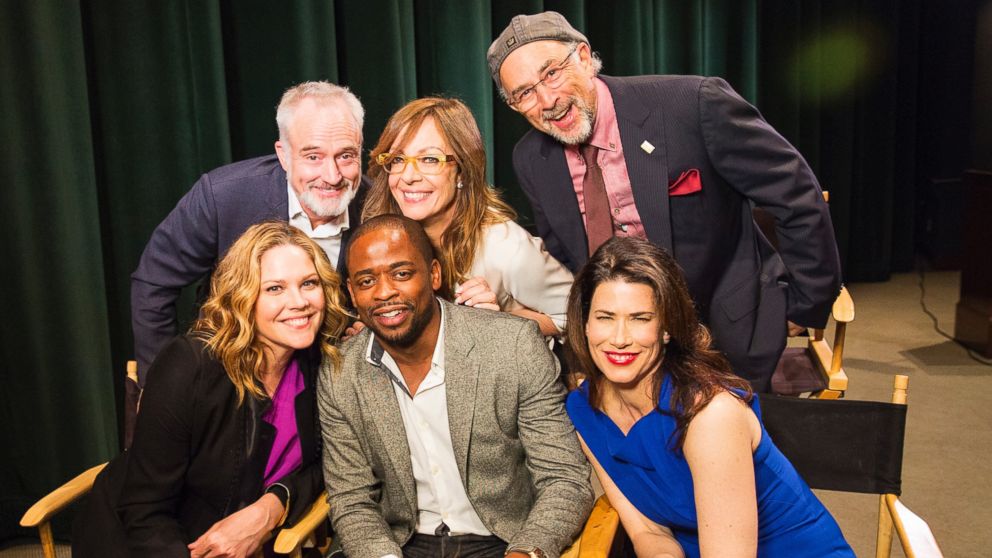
516 449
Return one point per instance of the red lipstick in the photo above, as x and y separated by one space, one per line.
620 358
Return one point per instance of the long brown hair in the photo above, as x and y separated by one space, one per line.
477 204
698 371
227 319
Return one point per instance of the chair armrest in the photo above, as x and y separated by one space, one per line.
54 501
597 535
290 538
843 309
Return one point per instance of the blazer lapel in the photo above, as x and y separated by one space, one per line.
276 205
557 194
647 163
305 403
461 375
377 391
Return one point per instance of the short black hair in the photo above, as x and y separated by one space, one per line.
414 231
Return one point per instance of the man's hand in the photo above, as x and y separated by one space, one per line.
352 330
241 533
476 293
795 329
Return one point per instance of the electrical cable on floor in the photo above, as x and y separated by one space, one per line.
936 326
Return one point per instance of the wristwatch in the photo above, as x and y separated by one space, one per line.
532 551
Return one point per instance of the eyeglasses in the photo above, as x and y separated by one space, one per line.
395 163
525 99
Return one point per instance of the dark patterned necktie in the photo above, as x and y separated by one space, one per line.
599 224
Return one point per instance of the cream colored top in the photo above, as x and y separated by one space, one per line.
521 272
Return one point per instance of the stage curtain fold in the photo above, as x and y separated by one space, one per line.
57 401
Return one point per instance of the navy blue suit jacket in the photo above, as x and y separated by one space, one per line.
743 290
187 245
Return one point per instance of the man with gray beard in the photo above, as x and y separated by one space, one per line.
311 180
679 161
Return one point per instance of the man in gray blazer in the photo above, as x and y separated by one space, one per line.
310 181
444 429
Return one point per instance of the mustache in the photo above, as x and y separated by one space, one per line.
321 183
551 113
372 309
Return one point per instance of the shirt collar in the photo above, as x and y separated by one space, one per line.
299 219
605 131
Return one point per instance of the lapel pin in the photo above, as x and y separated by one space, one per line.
647 147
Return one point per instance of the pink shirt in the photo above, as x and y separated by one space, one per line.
606 136
286 454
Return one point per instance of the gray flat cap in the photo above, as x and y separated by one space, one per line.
523 29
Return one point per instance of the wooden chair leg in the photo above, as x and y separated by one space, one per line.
883 542
47 541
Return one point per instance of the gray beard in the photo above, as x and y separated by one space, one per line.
327 209
581 133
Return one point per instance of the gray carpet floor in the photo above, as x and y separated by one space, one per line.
946 469
947 476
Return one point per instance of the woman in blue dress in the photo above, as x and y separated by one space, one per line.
674 437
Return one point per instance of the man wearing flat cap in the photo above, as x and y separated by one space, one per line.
678 160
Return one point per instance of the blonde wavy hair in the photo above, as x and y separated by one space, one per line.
227 319
477 204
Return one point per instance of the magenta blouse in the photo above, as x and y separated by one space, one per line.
286 454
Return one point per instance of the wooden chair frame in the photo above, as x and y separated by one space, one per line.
851 466
828 358
290 540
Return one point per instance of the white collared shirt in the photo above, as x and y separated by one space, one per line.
441 496
327 236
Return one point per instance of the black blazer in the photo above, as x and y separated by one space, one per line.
189 242
743 290
197 457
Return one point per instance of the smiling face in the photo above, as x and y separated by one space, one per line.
392 286
321 155
624 332
429 199
566 113
290 305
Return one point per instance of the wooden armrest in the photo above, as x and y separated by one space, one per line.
843 310
597 536
54 501
290 538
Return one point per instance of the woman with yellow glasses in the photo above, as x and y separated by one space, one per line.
430 165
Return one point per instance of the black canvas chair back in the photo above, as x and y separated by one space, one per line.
852 446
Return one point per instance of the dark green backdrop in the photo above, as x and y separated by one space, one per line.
110 109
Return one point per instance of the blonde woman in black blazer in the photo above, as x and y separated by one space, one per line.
192 483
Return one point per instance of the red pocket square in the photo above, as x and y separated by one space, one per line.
687 183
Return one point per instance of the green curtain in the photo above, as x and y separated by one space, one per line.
112 108
57 401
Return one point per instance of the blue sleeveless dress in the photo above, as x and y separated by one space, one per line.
656 480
